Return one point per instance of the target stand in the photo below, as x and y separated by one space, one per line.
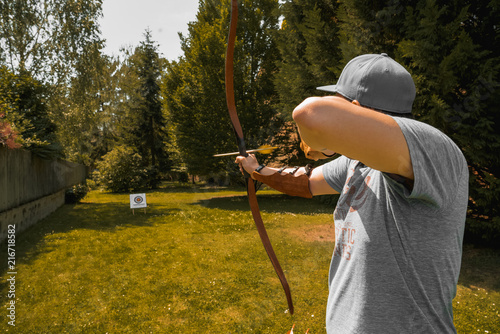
138 201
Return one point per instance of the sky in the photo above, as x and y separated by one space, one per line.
125 21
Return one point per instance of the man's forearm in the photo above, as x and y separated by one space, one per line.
267 171
290 181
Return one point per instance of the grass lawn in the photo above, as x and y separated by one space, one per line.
193 263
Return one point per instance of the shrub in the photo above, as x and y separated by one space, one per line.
8 136
483 232
92 183
183 177
121 171
76 193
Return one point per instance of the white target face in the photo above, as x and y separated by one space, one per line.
138 201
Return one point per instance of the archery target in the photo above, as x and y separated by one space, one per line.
138 201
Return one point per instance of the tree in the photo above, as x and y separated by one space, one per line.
53 49
84 111
45 37
453 51
194 86
372 26
451 48
25 108
142 123
121 170
308 42
149 69
8 136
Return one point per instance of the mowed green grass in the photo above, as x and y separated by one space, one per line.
193 263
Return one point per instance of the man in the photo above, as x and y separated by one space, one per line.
400 217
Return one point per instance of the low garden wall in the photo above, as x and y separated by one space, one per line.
31 187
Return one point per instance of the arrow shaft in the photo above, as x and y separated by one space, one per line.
248 151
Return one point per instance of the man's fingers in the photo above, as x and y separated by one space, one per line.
246 163
239 159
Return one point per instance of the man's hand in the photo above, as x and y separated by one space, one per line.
249 163
313 154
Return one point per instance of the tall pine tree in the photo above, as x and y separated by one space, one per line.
142 123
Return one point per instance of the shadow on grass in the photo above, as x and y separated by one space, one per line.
271 203
104 217
175 188
480 268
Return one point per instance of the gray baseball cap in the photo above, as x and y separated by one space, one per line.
378 82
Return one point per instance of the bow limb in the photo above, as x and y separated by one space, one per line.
252 197
229 80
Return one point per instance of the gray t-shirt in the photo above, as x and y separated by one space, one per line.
398 251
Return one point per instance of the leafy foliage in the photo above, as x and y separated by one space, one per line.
25 108
194 86
76 193
141 123
308 42
452 51
52 48
372 26
457 73
45 37
84 111
8 136
121 170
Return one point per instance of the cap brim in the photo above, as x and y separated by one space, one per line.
331 88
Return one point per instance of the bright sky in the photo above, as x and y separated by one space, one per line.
125 22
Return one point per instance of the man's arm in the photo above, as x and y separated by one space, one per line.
335 124
317 183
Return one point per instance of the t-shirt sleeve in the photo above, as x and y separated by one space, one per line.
438 164
335 172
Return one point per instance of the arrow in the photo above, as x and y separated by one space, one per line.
263 149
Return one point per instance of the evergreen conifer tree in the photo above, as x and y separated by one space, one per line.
142 123
308 42
451 48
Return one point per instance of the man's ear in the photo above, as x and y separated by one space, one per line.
356 102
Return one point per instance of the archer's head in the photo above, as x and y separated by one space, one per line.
377 82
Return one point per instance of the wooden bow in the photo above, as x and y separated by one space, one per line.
252 198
